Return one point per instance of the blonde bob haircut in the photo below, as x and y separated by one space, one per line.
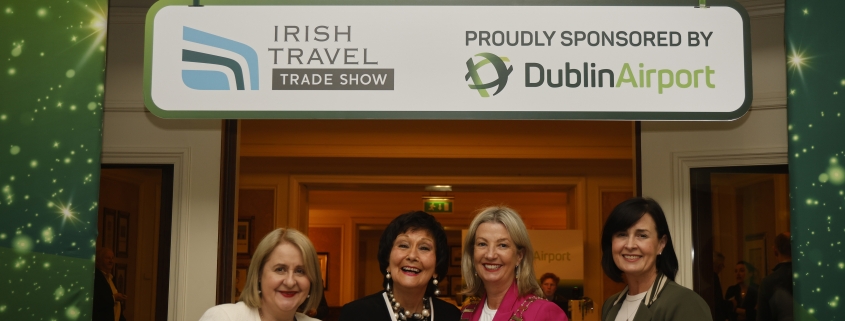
250 295
525 280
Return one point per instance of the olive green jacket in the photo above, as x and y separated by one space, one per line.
665 300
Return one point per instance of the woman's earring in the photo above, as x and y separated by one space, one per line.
387 276
436 290
259 287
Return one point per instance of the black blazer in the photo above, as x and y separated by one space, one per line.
749 303
103 299
372 308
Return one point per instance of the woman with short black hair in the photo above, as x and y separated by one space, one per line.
413 256
636 243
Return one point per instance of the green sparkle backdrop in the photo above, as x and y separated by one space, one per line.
51 94
816 81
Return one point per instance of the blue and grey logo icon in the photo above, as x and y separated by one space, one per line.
212 79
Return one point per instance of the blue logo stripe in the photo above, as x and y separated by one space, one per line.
193 56
201 37
205 79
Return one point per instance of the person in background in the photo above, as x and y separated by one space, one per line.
549 282
636 243
283 275
413 256
106 298
742 296
498 265
775 298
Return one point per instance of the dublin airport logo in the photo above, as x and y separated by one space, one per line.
502 73
213 79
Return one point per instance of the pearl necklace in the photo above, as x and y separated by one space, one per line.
401 314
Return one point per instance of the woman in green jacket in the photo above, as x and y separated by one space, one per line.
635 242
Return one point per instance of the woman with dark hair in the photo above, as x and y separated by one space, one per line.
413 256
636 243
742 295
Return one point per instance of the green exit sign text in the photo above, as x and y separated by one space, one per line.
438 205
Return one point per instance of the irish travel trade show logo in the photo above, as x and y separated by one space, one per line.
213 79
502 73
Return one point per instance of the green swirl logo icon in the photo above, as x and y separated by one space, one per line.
502 72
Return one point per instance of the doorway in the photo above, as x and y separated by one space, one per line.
736 212
293 164
135 215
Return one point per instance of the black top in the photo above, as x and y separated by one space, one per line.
103 309
749 303
781 279
563 303
373 308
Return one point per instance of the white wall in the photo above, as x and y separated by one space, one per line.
669 149
132 135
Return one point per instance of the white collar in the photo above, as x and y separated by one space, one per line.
653 292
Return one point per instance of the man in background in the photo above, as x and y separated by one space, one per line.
775 299
106 298
549 282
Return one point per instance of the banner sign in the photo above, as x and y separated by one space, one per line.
457 60
560 252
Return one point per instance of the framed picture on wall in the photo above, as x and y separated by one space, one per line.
455 257
122 246
244 236
455 285
109 216
324 268
120 277
444 287
240 281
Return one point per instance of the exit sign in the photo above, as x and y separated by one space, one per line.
437 205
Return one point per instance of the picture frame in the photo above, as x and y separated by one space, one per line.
244 236
455 256
120 277
323 257
121 248
455 285
109 223
443 286
240 281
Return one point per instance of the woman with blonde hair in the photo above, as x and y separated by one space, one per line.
283 276
498 266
